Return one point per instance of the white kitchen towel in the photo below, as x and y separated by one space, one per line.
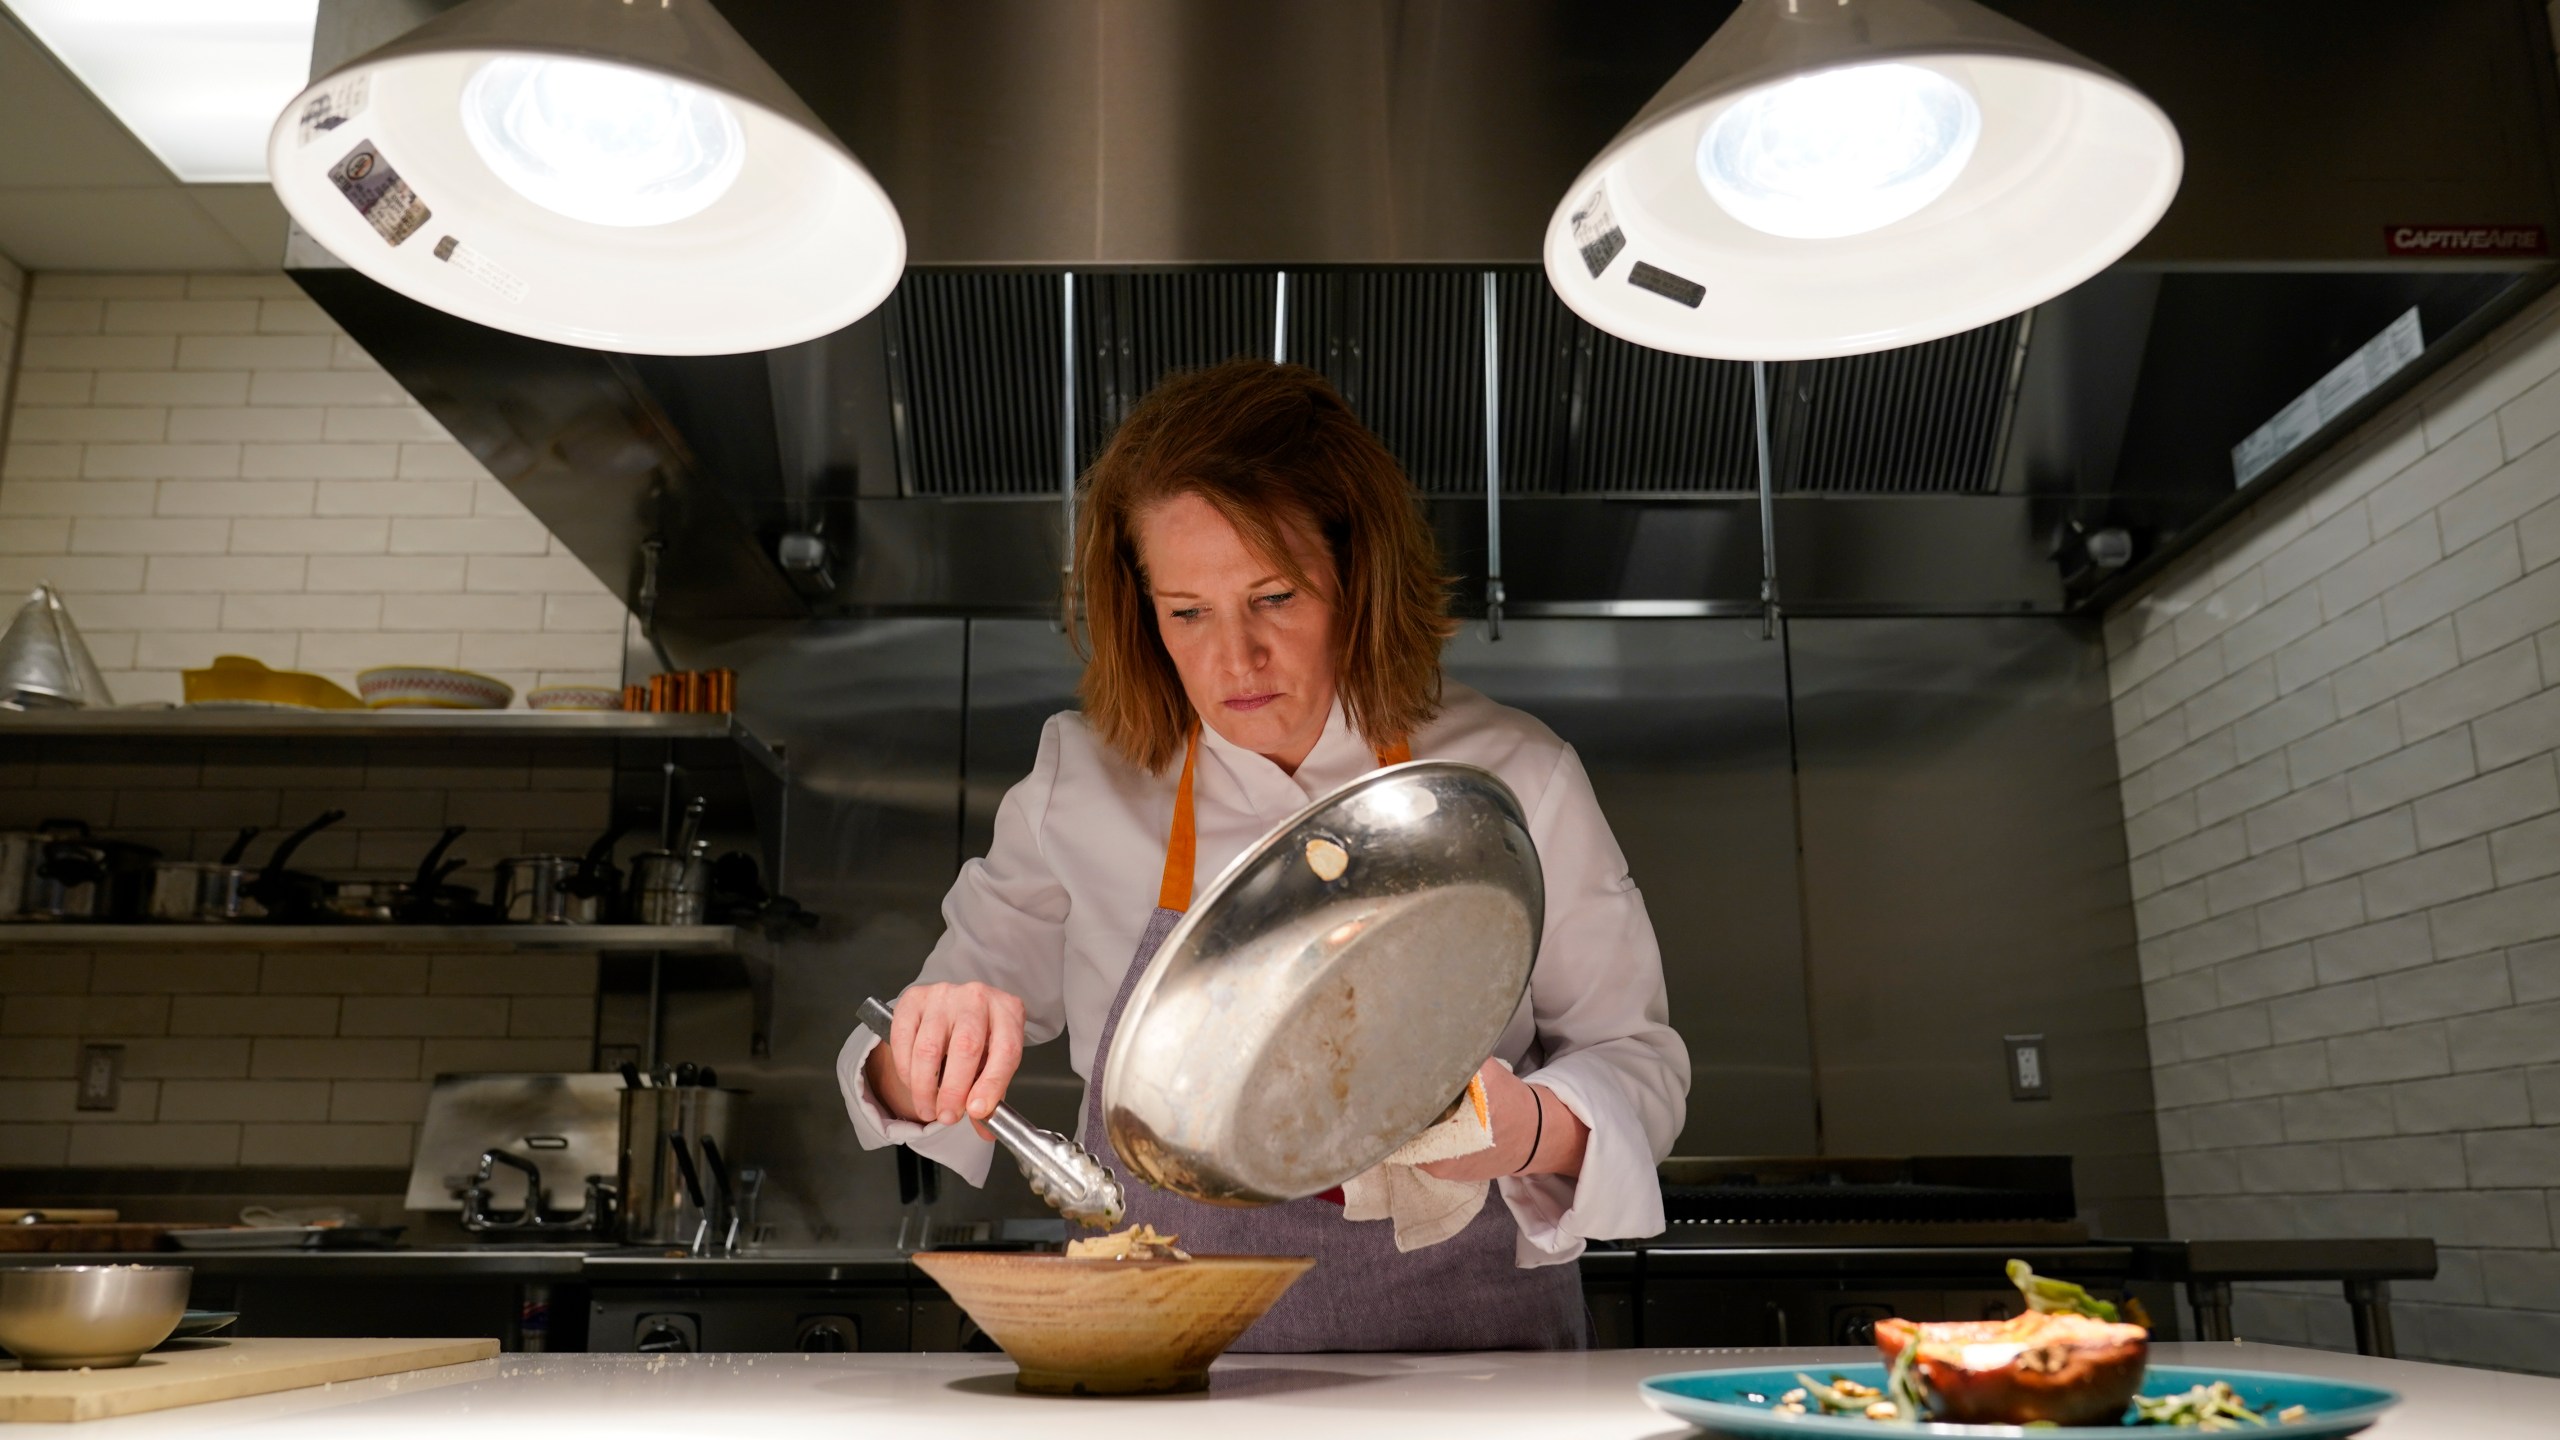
1425 1208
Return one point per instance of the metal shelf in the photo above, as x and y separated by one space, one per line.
177 724
608 939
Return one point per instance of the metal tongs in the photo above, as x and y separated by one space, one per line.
1060 1171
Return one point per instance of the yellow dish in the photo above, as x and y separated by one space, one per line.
240 680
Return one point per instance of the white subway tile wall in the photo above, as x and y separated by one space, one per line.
298 1057
292 1059
205 464
2337 728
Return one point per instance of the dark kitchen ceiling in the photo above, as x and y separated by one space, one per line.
1177 157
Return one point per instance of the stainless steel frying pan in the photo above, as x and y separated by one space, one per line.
1331 991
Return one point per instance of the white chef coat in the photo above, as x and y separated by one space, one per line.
1055 910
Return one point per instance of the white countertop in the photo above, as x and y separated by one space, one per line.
1586 1396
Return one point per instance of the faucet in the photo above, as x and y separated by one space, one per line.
594 1218
533 1192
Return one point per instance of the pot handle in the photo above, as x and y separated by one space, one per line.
240 845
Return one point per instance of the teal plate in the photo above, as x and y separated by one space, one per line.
1736 1403
203 1322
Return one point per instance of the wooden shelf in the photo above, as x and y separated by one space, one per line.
611 939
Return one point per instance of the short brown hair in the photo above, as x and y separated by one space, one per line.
1271 446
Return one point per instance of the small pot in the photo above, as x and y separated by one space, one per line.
76 878
68 882
534 890
670 889
560 889
205 892
673 886
19 852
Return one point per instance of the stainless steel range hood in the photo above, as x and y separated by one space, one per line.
1178 158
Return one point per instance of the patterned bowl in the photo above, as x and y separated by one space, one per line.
573 697
387 687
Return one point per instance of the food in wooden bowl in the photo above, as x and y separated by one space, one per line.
2070 1360
1121 1326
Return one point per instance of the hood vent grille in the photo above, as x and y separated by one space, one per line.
975 382
1924 420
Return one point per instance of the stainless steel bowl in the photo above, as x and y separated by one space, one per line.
98 1317
1329 994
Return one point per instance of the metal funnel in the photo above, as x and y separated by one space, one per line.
43 663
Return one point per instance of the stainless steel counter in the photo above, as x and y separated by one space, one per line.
1581 1396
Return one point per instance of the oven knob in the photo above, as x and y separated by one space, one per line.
666 1335
829 1335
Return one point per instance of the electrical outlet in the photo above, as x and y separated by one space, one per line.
101 1077
2028 1079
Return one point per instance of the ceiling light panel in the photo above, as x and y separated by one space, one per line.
197 81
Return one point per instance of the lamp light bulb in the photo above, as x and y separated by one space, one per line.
1840 152
606 144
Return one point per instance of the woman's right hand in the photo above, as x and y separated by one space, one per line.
951 1051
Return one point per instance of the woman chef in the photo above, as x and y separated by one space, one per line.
1265 614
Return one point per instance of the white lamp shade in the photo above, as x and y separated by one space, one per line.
767 232
2069 168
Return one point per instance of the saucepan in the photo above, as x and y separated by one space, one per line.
208 891
1331 991
426 898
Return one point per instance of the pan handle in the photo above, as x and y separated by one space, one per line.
293 842
427 876
239 845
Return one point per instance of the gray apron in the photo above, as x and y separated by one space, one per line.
1466 1293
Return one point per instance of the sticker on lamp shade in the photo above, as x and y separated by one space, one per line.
1596 233
1667 285
331 108
379 194
483 269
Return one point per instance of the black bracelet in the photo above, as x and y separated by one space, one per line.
1538 1138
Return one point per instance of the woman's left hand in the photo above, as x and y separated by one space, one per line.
1533 1133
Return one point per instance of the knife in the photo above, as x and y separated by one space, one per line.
692 1188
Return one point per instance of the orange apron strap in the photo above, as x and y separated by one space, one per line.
1182 844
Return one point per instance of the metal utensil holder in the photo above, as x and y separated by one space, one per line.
656 1210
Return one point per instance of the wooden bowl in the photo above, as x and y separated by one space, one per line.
1113 1327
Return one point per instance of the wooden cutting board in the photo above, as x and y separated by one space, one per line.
202 1370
